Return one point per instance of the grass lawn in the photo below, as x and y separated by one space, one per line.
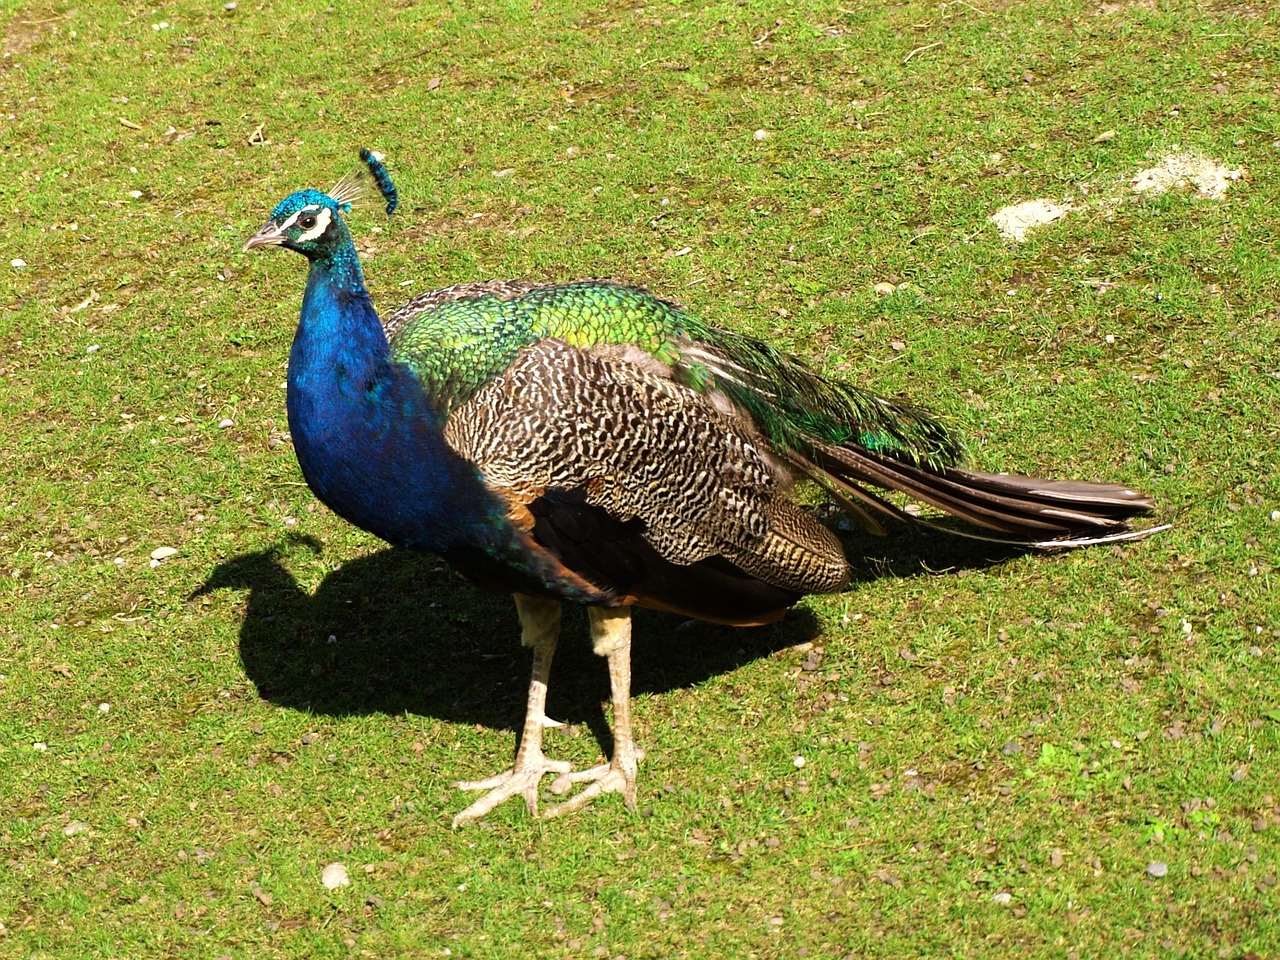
963 755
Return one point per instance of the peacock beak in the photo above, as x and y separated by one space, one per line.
269 236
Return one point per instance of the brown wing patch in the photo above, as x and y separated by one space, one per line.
645 488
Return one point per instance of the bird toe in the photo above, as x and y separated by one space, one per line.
521 780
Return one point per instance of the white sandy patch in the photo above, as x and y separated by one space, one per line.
1182 169
1016 220
1177 169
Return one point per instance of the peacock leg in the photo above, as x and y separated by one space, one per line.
539 628
611 637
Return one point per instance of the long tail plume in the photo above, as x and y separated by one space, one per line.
795 406
1010 509
848 440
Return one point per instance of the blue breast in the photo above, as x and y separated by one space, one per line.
366 435
370 444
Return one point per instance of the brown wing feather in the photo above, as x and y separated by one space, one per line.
600 548
646 489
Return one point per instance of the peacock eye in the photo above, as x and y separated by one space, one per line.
307 221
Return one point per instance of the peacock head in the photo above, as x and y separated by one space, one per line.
307 221
310 221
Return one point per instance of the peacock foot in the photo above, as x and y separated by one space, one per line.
617 776
523 779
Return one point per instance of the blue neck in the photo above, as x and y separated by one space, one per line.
367 437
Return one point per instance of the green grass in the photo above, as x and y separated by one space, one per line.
1044 727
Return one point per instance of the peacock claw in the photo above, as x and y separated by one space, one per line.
618 776
611 637
522 779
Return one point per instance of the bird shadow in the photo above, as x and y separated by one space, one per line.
395 632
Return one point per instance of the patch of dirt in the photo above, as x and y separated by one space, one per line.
1182 169
1177 169
27 29
1016 220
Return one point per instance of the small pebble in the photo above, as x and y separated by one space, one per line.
74 827
104 708
92 348
335 875
17 263
1157 869
163 553
760 135
1001 897
1275 514
229 6
38 746
798 762
884 288
225 423
136 194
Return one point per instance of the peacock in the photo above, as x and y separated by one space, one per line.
591 443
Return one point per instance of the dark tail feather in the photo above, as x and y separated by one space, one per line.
1030 511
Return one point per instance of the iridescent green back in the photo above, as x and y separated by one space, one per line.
458 345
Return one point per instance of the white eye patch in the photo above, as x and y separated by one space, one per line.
322 216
